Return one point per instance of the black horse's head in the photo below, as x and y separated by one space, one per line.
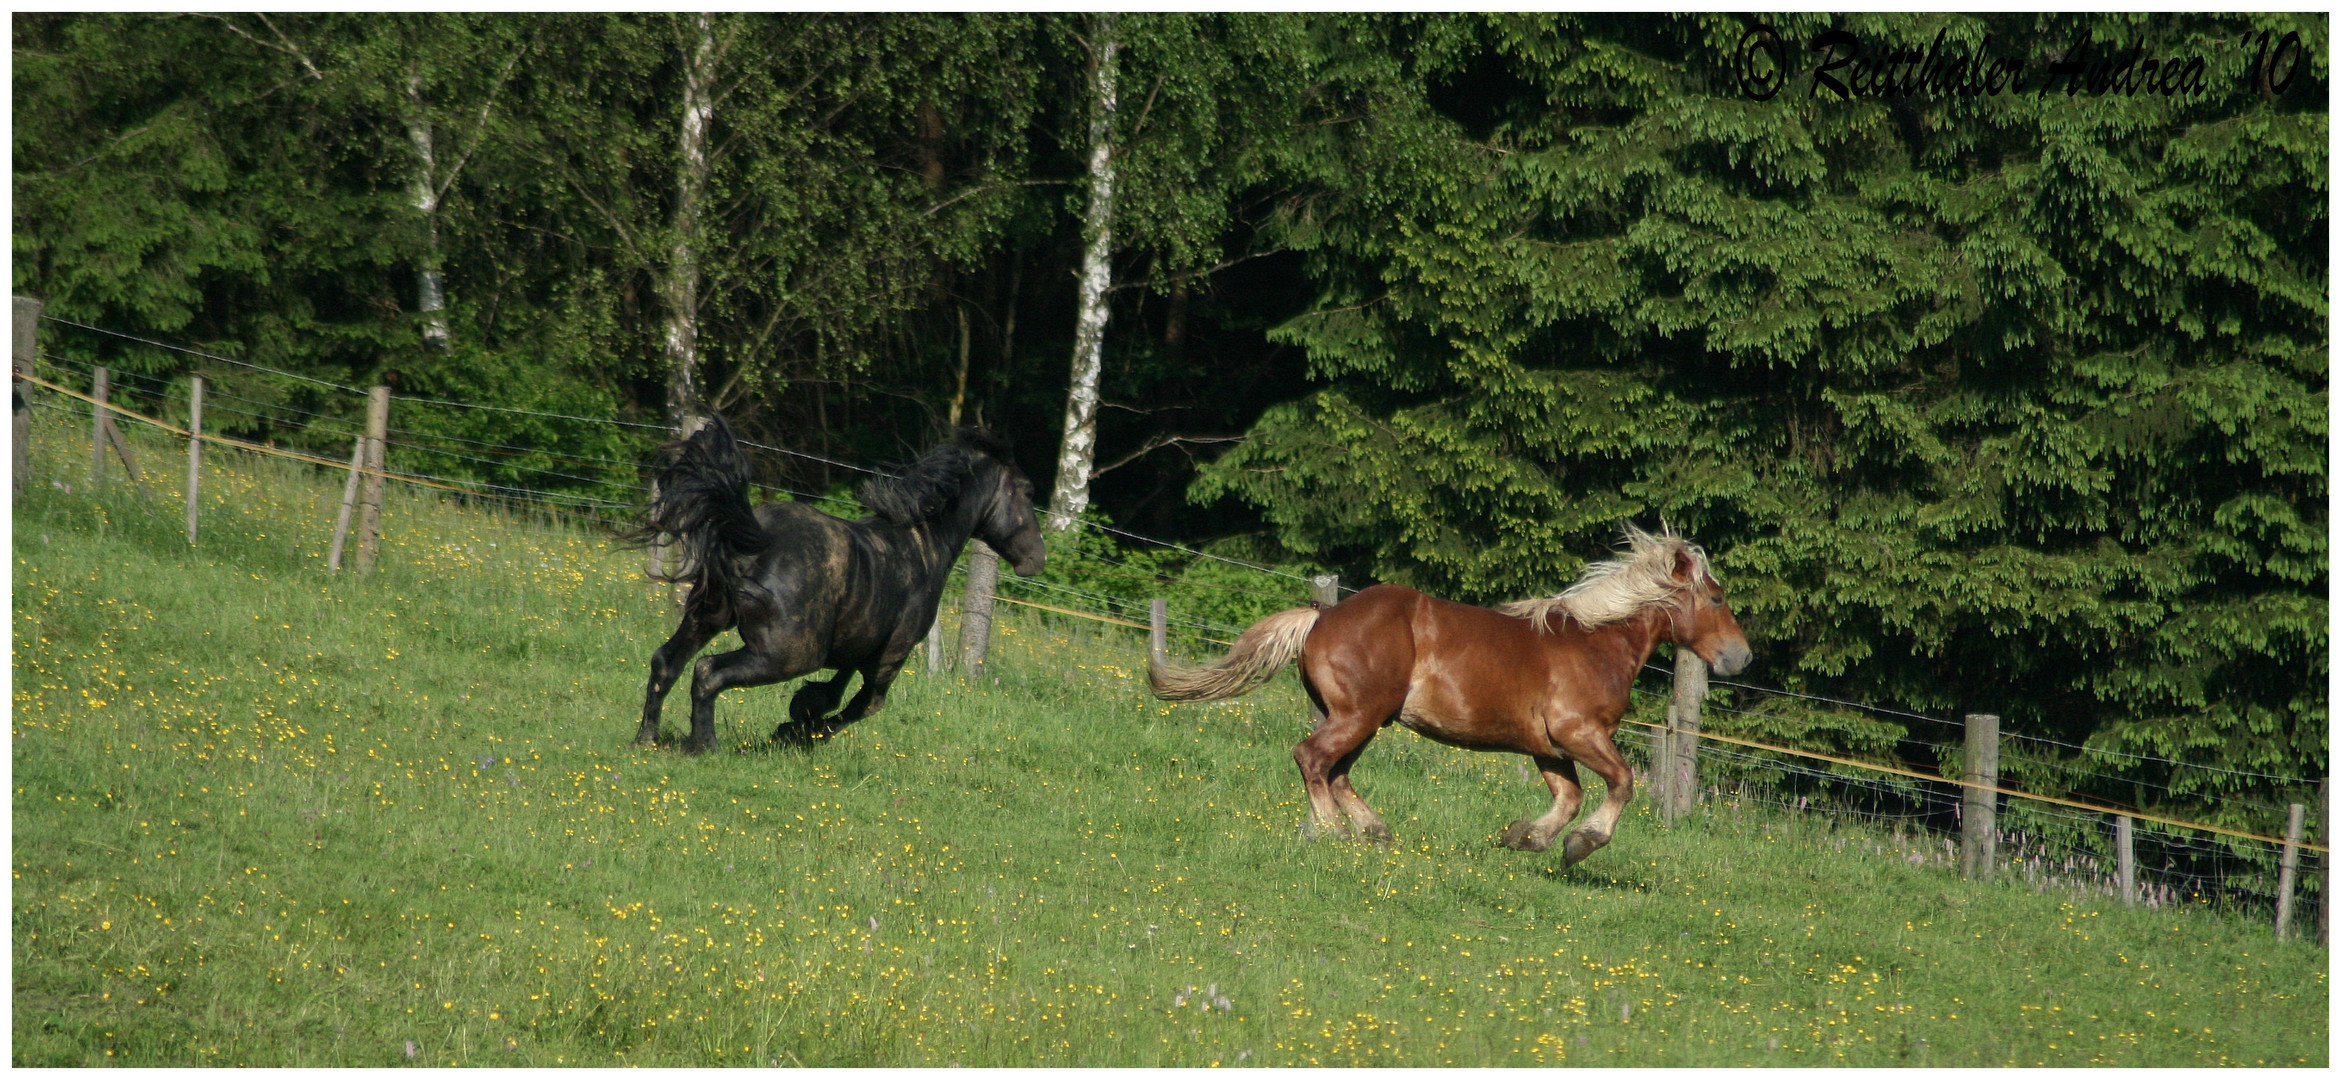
974 473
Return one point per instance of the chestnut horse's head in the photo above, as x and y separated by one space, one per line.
1664 572
1700 620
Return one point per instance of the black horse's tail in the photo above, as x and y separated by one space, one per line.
700 500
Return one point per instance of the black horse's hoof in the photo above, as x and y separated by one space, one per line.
801 733
695 748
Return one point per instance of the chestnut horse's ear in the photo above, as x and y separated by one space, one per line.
1683 566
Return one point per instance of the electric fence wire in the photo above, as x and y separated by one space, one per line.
197 352
458 455
1882 710
575 500
1114 604
658 427
2218 866
271 411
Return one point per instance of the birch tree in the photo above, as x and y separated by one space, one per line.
434 55
1079 449
680 285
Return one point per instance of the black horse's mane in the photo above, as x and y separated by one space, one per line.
933 481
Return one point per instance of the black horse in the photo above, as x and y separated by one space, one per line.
809 591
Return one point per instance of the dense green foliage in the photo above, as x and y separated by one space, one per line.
265 814
2010 403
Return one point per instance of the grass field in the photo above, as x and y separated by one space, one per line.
267 814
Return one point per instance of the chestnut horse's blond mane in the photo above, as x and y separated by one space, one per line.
1616 589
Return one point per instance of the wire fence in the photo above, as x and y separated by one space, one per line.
2058 832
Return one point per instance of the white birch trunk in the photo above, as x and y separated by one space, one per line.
1079 451
430 289
680 290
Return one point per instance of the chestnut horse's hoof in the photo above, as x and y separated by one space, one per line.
1377 834
1580 845
1521 836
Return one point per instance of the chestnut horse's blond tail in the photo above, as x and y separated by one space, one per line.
1262 651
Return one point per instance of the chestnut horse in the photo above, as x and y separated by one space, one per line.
1547 678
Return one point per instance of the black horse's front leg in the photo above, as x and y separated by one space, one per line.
666 664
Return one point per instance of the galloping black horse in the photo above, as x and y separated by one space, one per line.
809 591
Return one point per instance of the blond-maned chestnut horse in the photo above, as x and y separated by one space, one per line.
1545 677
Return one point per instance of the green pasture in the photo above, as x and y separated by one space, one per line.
266 814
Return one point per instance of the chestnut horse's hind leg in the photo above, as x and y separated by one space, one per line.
1560 774
1367 824
665 665
1324 758
1599 751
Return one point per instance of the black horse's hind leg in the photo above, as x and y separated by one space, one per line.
721 672
666 664
811 724
875 682
814 699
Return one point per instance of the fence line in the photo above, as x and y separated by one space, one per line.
2012 793
239 443
1882 710
641 426
430 482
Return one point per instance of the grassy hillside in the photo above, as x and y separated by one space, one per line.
267 814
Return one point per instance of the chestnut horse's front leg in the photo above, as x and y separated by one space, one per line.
1560 774
1598 749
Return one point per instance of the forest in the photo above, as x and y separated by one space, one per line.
2007 400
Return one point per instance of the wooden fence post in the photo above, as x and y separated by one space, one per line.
97 427
349 498
370 486
935 645
2125 858
1157 631
2325 865
1324 591
194 453
103 431
1978 810
2289 869
1680 791
975 606
24 356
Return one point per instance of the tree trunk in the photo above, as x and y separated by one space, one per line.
430 288
1079 451
680 287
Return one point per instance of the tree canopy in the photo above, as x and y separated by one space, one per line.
2000 401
